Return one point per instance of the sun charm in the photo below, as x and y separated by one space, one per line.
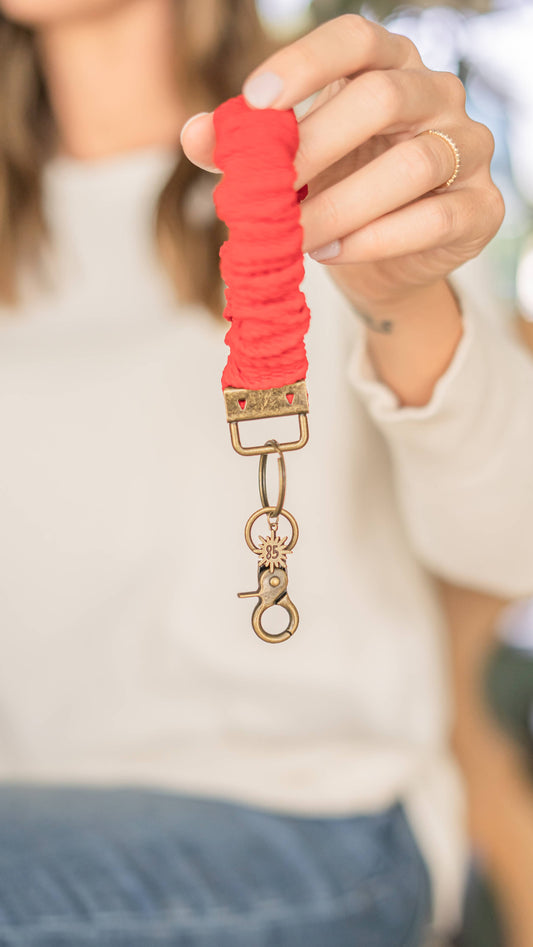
272 552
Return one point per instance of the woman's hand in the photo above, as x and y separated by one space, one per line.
378 209
376 204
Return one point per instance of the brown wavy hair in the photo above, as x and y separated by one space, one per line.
220 42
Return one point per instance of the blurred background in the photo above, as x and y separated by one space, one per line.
488 44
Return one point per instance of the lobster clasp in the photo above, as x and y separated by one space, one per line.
272 591
272 551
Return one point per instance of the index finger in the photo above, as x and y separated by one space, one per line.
342 47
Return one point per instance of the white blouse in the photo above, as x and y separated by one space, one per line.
126 656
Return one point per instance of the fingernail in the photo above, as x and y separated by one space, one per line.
262 90
327 252
302 193
205 167
208 167
188 122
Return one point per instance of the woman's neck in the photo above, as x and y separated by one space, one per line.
113 79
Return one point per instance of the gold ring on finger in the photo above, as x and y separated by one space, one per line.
454 149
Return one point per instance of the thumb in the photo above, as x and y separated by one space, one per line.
198 140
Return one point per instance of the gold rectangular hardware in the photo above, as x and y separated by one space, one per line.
245 404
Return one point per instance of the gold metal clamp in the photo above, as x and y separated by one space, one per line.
244 404
272 551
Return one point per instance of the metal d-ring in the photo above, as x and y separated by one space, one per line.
282 479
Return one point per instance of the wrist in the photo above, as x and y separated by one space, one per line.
426 329
384 306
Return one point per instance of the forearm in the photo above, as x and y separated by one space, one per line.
424 330
463 462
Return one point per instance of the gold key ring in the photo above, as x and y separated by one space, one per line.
269 510
282 480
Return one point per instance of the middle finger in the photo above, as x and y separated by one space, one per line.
397 177
392 102
341 47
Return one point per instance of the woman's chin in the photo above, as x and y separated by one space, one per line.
43 12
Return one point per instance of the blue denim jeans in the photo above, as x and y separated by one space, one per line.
129 867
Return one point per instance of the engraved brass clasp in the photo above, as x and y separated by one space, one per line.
244 404
272 551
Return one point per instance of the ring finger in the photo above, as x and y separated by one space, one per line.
399 176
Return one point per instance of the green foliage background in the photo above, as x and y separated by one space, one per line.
326 9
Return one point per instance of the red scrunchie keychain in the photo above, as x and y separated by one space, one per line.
262 266
262 262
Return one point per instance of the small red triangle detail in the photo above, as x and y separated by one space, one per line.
290 396
242 403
